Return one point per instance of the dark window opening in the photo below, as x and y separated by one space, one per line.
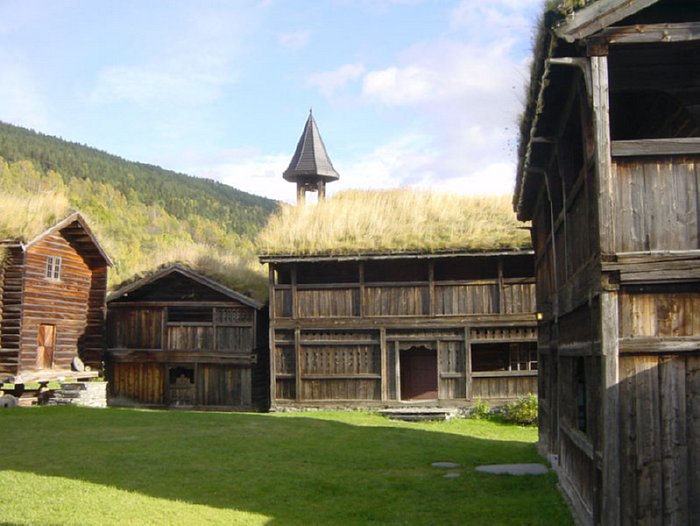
518 266
181 375
474 268
517 356
190 315
328 273
650 114
283 276
402 270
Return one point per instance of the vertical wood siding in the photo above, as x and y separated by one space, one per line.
660 447
657 203
138 382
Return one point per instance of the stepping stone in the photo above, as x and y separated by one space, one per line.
513 469
451 475
446 465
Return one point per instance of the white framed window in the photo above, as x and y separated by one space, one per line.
53 267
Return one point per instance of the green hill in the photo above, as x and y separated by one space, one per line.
144 215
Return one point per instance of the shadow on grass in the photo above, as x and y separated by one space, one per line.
291 469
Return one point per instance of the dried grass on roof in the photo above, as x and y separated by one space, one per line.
360 222
245 277
26 217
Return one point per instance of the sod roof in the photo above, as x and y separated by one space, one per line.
394 221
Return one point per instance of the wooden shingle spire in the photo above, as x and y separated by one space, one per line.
310 167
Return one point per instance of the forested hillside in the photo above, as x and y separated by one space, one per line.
144 216
180 195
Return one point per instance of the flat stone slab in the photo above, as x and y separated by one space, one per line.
451 475
446 465
514 469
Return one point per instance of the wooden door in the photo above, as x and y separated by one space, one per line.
46 346
419 377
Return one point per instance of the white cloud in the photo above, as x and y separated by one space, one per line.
247 170
329 82
294 41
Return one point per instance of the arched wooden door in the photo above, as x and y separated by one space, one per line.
419 375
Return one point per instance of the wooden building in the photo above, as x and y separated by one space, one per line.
609 174
359 321
177 338
392 329
52 301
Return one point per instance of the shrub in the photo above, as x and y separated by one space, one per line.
480 410
523 411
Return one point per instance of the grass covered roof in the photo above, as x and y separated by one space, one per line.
365 222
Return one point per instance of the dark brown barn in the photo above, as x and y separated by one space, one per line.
610 176
52 301
402 329
177 338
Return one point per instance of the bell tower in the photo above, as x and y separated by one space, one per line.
310 167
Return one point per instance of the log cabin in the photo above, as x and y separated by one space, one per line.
609 175
52 302
177 338
370 307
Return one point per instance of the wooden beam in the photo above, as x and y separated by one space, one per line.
597 16
649 33
656 147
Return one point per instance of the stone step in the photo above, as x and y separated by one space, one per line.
419 415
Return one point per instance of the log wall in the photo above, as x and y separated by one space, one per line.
73 304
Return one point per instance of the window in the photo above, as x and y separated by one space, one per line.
53 267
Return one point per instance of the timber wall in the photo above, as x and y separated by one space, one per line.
73 304
342 343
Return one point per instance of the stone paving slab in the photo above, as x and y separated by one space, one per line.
513 469
446 465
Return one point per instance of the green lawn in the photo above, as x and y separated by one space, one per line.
68 465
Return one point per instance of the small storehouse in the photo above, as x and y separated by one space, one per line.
177 338
52 302
371 307
609 175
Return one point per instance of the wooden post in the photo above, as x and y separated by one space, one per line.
610 513
271 288
321 191
293 291
301 194
601 126
431 288
273 365
297 362
361 275
397 367
501 302
467 364
384 365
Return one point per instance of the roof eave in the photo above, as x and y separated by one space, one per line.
75 216
596 16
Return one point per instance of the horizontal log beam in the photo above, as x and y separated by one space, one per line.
656 147
648 33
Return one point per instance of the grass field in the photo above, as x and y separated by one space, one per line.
68 465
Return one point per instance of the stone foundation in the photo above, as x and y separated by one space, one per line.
88 394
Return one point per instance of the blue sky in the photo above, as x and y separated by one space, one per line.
422 93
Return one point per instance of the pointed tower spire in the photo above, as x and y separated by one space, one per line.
310 168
